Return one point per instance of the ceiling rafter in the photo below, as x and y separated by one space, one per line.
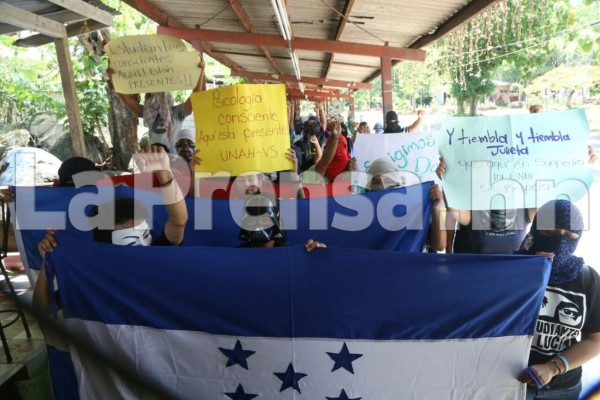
86 10
152 12
295 91
244 19
76 29
328 46
24 19
340 29
306 80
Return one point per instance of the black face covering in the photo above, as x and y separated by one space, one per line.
260 223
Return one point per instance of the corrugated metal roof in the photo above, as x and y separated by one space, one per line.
51 11
399 23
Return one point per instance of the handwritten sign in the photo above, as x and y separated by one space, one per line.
152 63
515 161
242 128
415 154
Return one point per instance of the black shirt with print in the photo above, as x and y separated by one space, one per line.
567 310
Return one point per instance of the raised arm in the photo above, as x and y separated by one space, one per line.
318 151
336 130
131 101
438 229
197 88
155 160
321 114
417 124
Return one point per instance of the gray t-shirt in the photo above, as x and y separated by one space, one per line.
158 131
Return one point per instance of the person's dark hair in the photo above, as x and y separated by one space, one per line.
391 122
256 206
72 166
126 208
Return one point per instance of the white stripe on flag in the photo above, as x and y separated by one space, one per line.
190 365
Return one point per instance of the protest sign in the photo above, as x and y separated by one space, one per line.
515 161
415 154
152 64
242 128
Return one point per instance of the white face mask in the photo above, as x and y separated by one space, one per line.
139 235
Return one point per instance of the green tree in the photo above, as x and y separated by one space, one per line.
515 32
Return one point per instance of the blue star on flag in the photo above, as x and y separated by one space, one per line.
237 356
344 359
290 378
240 394
343 396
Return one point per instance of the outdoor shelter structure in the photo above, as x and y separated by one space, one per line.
312 46
56 21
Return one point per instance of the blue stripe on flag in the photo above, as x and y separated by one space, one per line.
286 292
401 207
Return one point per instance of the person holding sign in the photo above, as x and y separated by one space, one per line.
161 116
568 328
129 226
392 126
489 231
384 174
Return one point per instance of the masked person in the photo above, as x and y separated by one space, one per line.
383 174
392 125
129 227
568 327
261 225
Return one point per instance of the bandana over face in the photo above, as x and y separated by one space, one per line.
557 214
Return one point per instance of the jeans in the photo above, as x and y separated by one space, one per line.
571 393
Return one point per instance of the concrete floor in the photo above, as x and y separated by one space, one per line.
28 354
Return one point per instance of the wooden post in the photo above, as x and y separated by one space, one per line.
386 85
68 83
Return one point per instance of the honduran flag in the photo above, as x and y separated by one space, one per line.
281 323
396 219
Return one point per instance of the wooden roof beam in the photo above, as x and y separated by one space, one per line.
316 93
305 79
76 29
87 10
27 20
469 11
328 46
239 11
152 12
340 29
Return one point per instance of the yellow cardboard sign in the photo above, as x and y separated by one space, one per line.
242 128
152 64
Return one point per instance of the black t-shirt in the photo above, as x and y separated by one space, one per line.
308 154
462 240
497 232
567 310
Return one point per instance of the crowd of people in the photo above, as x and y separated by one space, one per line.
321 149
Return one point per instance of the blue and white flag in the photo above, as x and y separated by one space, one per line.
281 323
396 219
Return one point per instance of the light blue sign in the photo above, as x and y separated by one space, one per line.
515 161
